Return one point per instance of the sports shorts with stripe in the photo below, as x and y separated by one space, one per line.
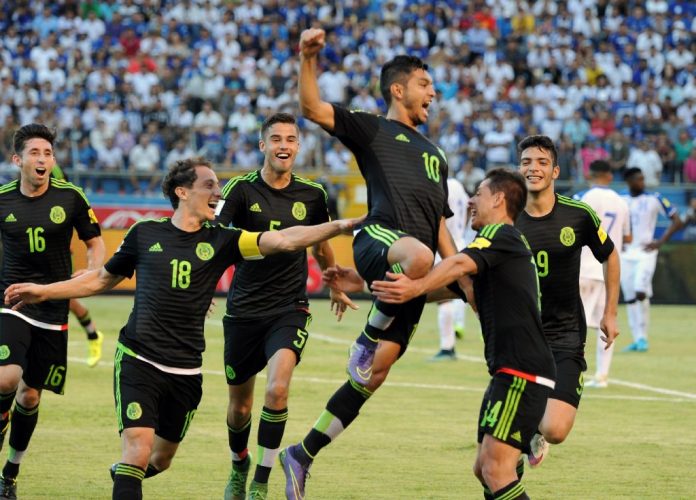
42 353
370 248
146 396
512 409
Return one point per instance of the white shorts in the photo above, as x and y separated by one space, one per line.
593 296
637 270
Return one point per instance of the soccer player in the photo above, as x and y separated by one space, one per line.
517 353
452 313
267 307
178 260
37 217
557 228
640 257
613 212
95 338
406 178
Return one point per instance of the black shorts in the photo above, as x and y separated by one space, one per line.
511 410
146 396
569 377
42 353
250 343
370 248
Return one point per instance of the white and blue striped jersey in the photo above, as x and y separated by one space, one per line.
645 209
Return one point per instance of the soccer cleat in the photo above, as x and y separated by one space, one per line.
296 475
236 484
444 355
361 357
640 345
539 450
94 347
257 491
597 383
8 488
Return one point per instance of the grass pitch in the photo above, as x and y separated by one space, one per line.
415 439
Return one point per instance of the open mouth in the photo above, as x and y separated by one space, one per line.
213 204
41 171
283 156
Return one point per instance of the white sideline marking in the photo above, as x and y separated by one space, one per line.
678 396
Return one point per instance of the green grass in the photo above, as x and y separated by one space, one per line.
415 439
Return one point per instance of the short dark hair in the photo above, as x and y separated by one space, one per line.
182 173
541 142
631 172
512 185
398 70
31 131
277 118
600 167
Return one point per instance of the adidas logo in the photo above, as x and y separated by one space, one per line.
11 218
255 208
516 436
156 248
402 138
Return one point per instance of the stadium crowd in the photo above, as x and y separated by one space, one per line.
133 85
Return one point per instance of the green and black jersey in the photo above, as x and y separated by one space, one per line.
506 290
556 240
405 173
36 235
177 272
279 282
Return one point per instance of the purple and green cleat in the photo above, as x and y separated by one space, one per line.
296 474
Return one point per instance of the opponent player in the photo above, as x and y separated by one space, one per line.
452 313
267 307
517 354
157 375
557 228
37 217
613 212
406 178
640 256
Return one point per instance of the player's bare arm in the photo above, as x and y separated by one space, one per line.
311 104
675 226
89 283
296 238
339 301
445 242
96 251
612 270
402 289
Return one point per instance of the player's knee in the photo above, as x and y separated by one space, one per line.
418 264
478 471
238 414
277 395
28 397
161 460
557 434
641 295
491 471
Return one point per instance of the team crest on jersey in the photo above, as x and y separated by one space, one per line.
602 234
92 216
4 352
567 236
204 251
299 211
57 215
134 411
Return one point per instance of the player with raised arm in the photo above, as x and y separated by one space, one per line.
267 308
37 217
557 227
612 210
517 353
406 178
178 260
640 257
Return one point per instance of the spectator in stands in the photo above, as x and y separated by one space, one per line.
646 158
143 162
337 158
591 150
689 169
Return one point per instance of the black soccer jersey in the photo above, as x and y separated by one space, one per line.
36 234
405 173
177 272
556 240
279 282
507 298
